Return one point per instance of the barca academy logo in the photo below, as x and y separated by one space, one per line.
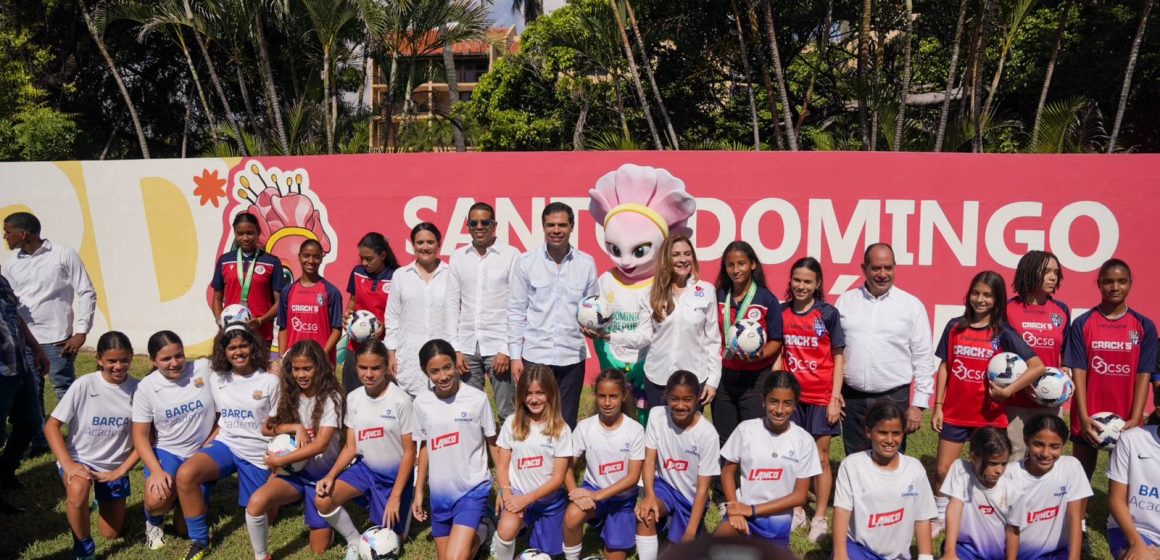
199 382
258 395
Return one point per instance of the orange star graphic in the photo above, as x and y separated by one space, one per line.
210 187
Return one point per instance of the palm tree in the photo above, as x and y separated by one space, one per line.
644 104
946 104
823 49
1064 16
330 20
465 21
95 23
198 31
748 77
864 73
644 61
1126 90
782 95
901 122
1018 15
530 9
267 71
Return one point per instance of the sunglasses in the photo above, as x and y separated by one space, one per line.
480 223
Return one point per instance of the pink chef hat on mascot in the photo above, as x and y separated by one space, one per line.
648 191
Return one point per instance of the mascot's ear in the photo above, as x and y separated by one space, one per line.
599 205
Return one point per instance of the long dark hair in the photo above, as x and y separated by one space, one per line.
780 379
259 348
1030 271
998 313
324 380
114 340
376 242
374 347
883 411
432 348
724 282
989 442
627 406
1041 422
160 340
811 264
683 378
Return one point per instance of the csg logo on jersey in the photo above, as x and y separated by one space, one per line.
370 433
676 465
966 374
1042 515
610 468
765 474
530 462
885 519
1102 367
445 440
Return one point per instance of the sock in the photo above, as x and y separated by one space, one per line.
154 520
1083 525
259 534
198 528
941 502
646 547
572 552
85 547
504 550
340 521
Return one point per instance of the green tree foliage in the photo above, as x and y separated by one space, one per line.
29 128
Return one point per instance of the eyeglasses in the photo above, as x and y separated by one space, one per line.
480 223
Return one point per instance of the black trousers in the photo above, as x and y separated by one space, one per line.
738 399
857 403
570 381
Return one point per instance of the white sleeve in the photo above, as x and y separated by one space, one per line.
487 418
734 445
810 466
712 337
393 316
505 434
710 463
843 487
329 413
142 407
420 425
85 295
578 446
957 482
636 448
1078 480
564 443
70 403
517 310
922 358
406 416
654 425
925 507
1118 463
351 410
452 306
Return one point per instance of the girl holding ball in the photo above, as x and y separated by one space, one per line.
368 286
311 307
248 276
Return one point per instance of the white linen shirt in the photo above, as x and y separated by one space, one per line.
542 307
688 338
477 296
888 343
48 282
414 316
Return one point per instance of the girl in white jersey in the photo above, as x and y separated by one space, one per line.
882 499
378 434
1047 496
310 408
243 395
173 417
680 461
99 454
977 512
456 426
1134 495
535 448
776 460
612 445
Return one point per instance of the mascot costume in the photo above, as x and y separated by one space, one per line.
638 207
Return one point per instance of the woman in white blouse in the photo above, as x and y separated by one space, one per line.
683 332
415 308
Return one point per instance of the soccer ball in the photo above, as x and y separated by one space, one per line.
533 554
1004 368
748 338
378 544
283 444
594 313
1110 434
362 326
1052 389
236 313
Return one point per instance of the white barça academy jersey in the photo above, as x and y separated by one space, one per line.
885 504
97 415
455 430
533 459
770 464
1136 464
683 455
180 410
1039 505
244 402
318 465
379 425
984 519
607 452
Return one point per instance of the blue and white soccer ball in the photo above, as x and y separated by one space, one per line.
284 444
748 338
363 325
533 554
236 313
378 544
594 313
1052 389
1004 368
1109 434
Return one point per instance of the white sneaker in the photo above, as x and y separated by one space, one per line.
799 519
154 536
351 552
937 526
819 527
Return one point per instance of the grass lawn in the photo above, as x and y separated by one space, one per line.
43 532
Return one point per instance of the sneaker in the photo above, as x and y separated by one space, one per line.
819 527
722 508
351 552
154 536
799 519
196 552
937 526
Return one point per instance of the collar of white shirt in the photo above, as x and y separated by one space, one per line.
567 257
866 293
45 246
414 268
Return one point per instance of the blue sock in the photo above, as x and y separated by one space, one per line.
198 529
155 520
84 548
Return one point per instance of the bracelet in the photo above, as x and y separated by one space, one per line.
925 557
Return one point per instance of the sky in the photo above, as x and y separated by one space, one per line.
502 11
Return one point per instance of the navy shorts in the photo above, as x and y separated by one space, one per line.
170 463
855 551
1119 543
773 528
377 488
616 519
545 522
967 551
680 510
467 510
105 491
303 484
955 434
250 476
812 418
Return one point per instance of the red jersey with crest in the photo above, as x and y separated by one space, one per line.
966 401
369 292
808 344
266 282
765 310
1112 352
309 313
1044 329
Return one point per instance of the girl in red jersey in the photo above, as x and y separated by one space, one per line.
812 352
368 287
311 307
967 345
249 276
1041 322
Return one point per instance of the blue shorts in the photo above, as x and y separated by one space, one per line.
967 551
616 519
377 489
545 522
955 434
304 485
773 528
1119 543
170 463
855 551
680 510
250 476
105 491
467 510
812 418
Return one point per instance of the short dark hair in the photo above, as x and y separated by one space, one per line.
870 248
114 340
482 206
558 207
426 226
24 221
780 379
988 442
1041 422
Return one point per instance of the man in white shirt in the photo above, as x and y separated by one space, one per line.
50 281
546 288
476 311
888 347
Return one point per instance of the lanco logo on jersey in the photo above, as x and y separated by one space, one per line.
765 474
370 433
610 468
1042 515
676 465
986 510
445 440
530 462
885 519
